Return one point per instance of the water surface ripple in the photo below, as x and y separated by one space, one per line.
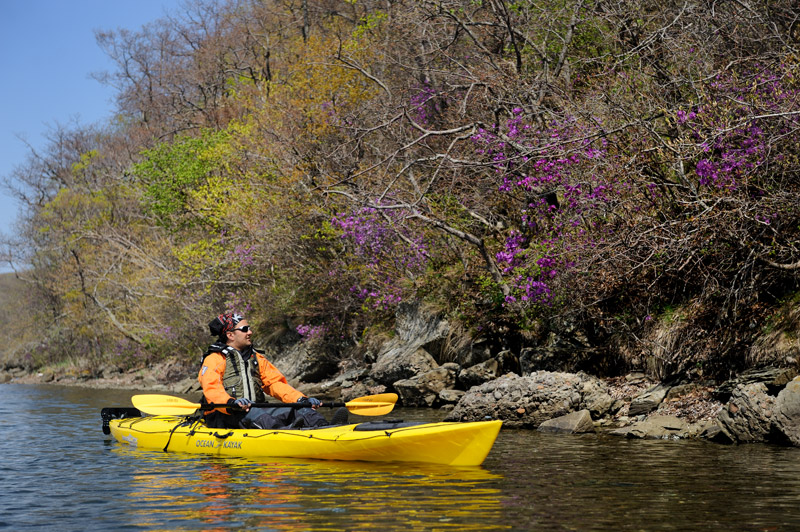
60 472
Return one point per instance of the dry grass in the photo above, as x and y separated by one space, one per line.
779 343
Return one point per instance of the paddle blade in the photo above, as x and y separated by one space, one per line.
372 405
163 405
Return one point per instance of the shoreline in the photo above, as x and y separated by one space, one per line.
695 407
144 380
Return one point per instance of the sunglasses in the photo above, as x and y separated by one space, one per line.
244 329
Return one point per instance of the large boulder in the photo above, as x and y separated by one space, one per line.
468 351
523 402
658 427
358 389
450 397
579 422
424 389
648 401
787 406
479 373
749 415
399 360
598 400
306 361
775 379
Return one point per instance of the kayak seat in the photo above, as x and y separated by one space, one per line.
340 417
387 424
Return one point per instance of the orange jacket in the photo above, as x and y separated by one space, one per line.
275 384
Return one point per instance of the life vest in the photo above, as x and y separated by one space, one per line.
242 377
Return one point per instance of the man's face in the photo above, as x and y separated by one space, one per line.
239 339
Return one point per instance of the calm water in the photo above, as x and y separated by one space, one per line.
59 472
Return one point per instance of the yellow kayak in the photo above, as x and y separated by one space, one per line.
457 444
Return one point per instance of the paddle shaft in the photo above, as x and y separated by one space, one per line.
211 406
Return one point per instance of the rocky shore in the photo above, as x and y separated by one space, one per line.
427 369
162 378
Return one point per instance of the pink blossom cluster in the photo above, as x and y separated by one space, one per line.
424 104
377 241
309 332
557 173
244 255
236 305
511 256
386 249
386 298
738 127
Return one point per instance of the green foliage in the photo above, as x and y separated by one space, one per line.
369 23
175 173
672 314
73 211
85 162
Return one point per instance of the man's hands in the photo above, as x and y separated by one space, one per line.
243 403
310 401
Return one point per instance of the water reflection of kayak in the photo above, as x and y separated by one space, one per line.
458 444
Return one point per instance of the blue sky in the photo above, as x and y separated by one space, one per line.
47 55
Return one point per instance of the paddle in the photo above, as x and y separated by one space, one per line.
167 405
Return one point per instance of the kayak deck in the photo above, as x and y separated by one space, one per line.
457 444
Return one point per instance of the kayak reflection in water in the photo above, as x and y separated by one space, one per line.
234 373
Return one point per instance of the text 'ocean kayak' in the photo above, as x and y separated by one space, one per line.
457 444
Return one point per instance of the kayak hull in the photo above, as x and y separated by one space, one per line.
457 444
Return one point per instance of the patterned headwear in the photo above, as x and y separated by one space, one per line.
224 323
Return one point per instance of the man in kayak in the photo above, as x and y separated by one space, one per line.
234 373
